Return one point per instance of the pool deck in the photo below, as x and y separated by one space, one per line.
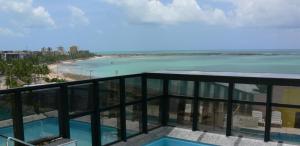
197 136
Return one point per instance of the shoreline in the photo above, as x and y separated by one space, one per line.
68 76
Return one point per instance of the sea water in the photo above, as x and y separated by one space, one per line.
266 62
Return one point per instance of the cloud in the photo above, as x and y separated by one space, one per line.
8 32
26 14
242 13
154 11
278 13
78 16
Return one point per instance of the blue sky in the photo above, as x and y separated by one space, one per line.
145 25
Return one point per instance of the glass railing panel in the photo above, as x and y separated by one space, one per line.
133 89
286 95
285 125
6 123
250 92
80 130
109 93
153 115
181 88
216 90
80 98
180 113
212 117
133 119
40 113
248 120
110 126
154 87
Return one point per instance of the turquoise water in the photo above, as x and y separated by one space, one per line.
130 64
80 131
166 141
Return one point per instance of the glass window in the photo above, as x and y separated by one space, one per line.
212 116
154 87
6 123
80 130
153 109
80 98
286 95
110 126
180 112
133 119
181 88
133 89
285 125
213 90
109 93
40 113
250 92
248 120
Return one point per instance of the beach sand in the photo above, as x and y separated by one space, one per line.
67 75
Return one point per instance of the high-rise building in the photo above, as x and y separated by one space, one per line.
73 50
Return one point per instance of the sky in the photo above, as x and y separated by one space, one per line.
147 25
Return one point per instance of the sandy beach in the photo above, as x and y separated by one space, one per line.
67 75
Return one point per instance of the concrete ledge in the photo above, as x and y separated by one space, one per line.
197 136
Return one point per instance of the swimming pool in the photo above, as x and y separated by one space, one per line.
168 141
80 131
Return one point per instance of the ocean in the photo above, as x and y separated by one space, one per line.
116 63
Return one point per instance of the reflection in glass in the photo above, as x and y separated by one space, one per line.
285 124
110 126
213 90
250 92
181 88
153 109
109 93
286 95
154 87
212 116
6 122
80 130
133 119
133 89
248 123
180 112
40 113
80 98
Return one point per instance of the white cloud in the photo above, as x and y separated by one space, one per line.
154 11
25 13
8 32
278 13
78 16
248 13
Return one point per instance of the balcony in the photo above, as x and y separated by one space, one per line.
107 111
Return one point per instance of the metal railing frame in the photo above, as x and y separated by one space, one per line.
64 116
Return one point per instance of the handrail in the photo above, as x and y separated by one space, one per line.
15 140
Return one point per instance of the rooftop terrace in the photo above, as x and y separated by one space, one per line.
112 111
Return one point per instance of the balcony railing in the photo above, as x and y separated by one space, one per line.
113 109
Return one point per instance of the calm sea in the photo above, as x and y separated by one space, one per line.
280 61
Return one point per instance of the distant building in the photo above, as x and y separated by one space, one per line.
11 55
46 51
61 50
73 50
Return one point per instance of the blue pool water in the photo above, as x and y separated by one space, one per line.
167 141
80 131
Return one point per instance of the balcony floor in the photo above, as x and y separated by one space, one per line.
204 137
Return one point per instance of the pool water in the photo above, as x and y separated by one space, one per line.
168 141
80 131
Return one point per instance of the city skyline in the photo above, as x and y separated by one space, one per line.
143 25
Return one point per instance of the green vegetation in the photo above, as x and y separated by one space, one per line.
19 72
